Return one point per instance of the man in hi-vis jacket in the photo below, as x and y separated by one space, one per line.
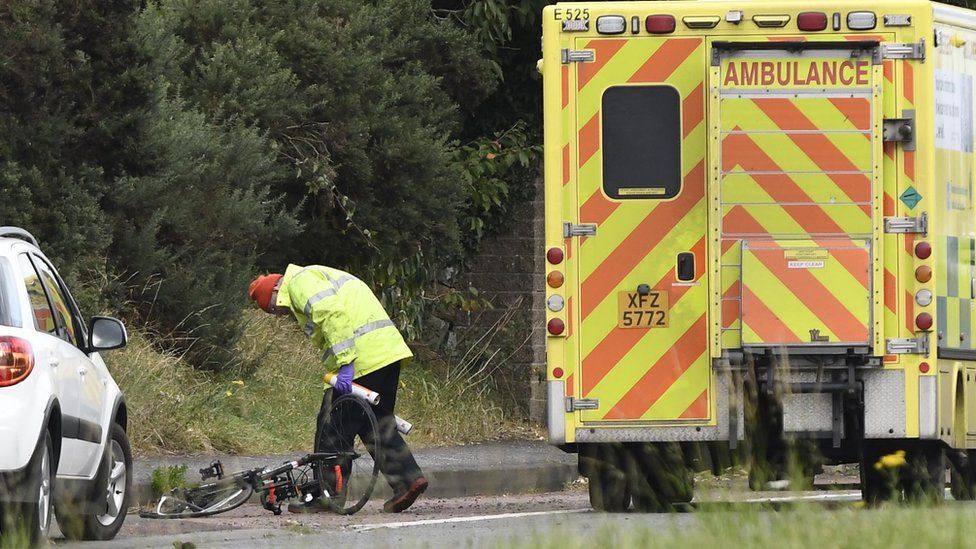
343 318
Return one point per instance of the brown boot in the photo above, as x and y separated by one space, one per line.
400 502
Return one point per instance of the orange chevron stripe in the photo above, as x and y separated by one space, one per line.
764 322
889 150
788 116
568 243
618 343
663 373
597 209
665 60
566 174
908 75
730 311
641 241
856 109
605 49
565 86
589 139
817 297
727 245
910 244
570 385
815 145
698 408
909 164
890 291
693 110
889 205
740 150
889 71
738 221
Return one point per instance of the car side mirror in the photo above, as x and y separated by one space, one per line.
106 333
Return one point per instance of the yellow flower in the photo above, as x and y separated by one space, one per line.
238 382
229 392
891 461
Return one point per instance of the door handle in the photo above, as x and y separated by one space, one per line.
82 371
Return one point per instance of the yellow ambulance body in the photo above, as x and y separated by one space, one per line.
761 200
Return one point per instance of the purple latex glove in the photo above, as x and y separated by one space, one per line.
343 380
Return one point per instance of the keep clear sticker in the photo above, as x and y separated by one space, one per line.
806 264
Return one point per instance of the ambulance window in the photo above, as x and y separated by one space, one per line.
641 142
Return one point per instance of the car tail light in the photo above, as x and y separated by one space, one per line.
924 367
924 321
16 360
812 21
557 372
923 250
556 326
923 273
659 24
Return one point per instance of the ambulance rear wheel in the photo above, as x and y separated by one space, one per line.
608 479
962 473
658 476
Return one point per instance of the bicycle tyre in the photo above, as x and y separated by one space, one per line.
360 481
203 501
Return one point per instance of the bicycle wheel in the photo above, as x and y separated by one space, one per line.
203 501
350 433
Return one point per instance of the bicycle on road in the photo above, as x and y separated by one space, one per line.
341 466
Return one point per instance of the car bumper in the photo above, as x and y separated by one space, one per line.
22 419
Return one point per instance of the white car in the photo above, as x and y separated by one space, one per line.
63 444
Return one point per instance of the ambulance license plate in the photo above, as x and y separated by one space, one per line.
643 311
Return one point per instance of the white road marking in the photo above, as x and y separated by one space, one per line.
394 525
830 496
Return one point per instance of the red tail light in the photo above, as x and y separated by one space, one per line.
659 24
923 250
924 321
556 326
554 256
812 21
16 360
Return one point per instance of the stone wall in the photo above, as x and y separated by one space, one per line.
510 273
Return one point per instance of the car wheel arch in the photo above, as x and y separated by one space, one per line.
52 425
120 414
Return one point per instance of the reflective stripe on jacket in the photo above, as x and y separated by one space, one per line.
342 317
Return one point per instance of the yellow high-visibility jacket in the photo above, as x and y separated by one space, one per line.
342 317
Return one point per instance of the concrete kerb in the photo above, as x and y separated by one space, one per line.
487 469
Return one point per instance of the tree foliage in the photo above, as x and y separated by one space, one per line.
172 149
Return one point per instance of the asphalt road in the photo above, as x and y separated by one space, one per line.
483 521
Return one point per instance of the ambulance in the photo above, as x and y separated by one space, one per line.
760 236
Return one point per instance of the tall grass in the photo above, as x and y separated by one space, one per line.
270 403
800 527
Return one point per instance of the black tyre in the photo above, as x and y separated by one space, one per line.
29 522
962 475
204 501
877 485
112 495
924 481
350 432
660 478
608 479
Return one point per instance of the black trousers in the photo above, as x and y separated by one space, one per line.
398 464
